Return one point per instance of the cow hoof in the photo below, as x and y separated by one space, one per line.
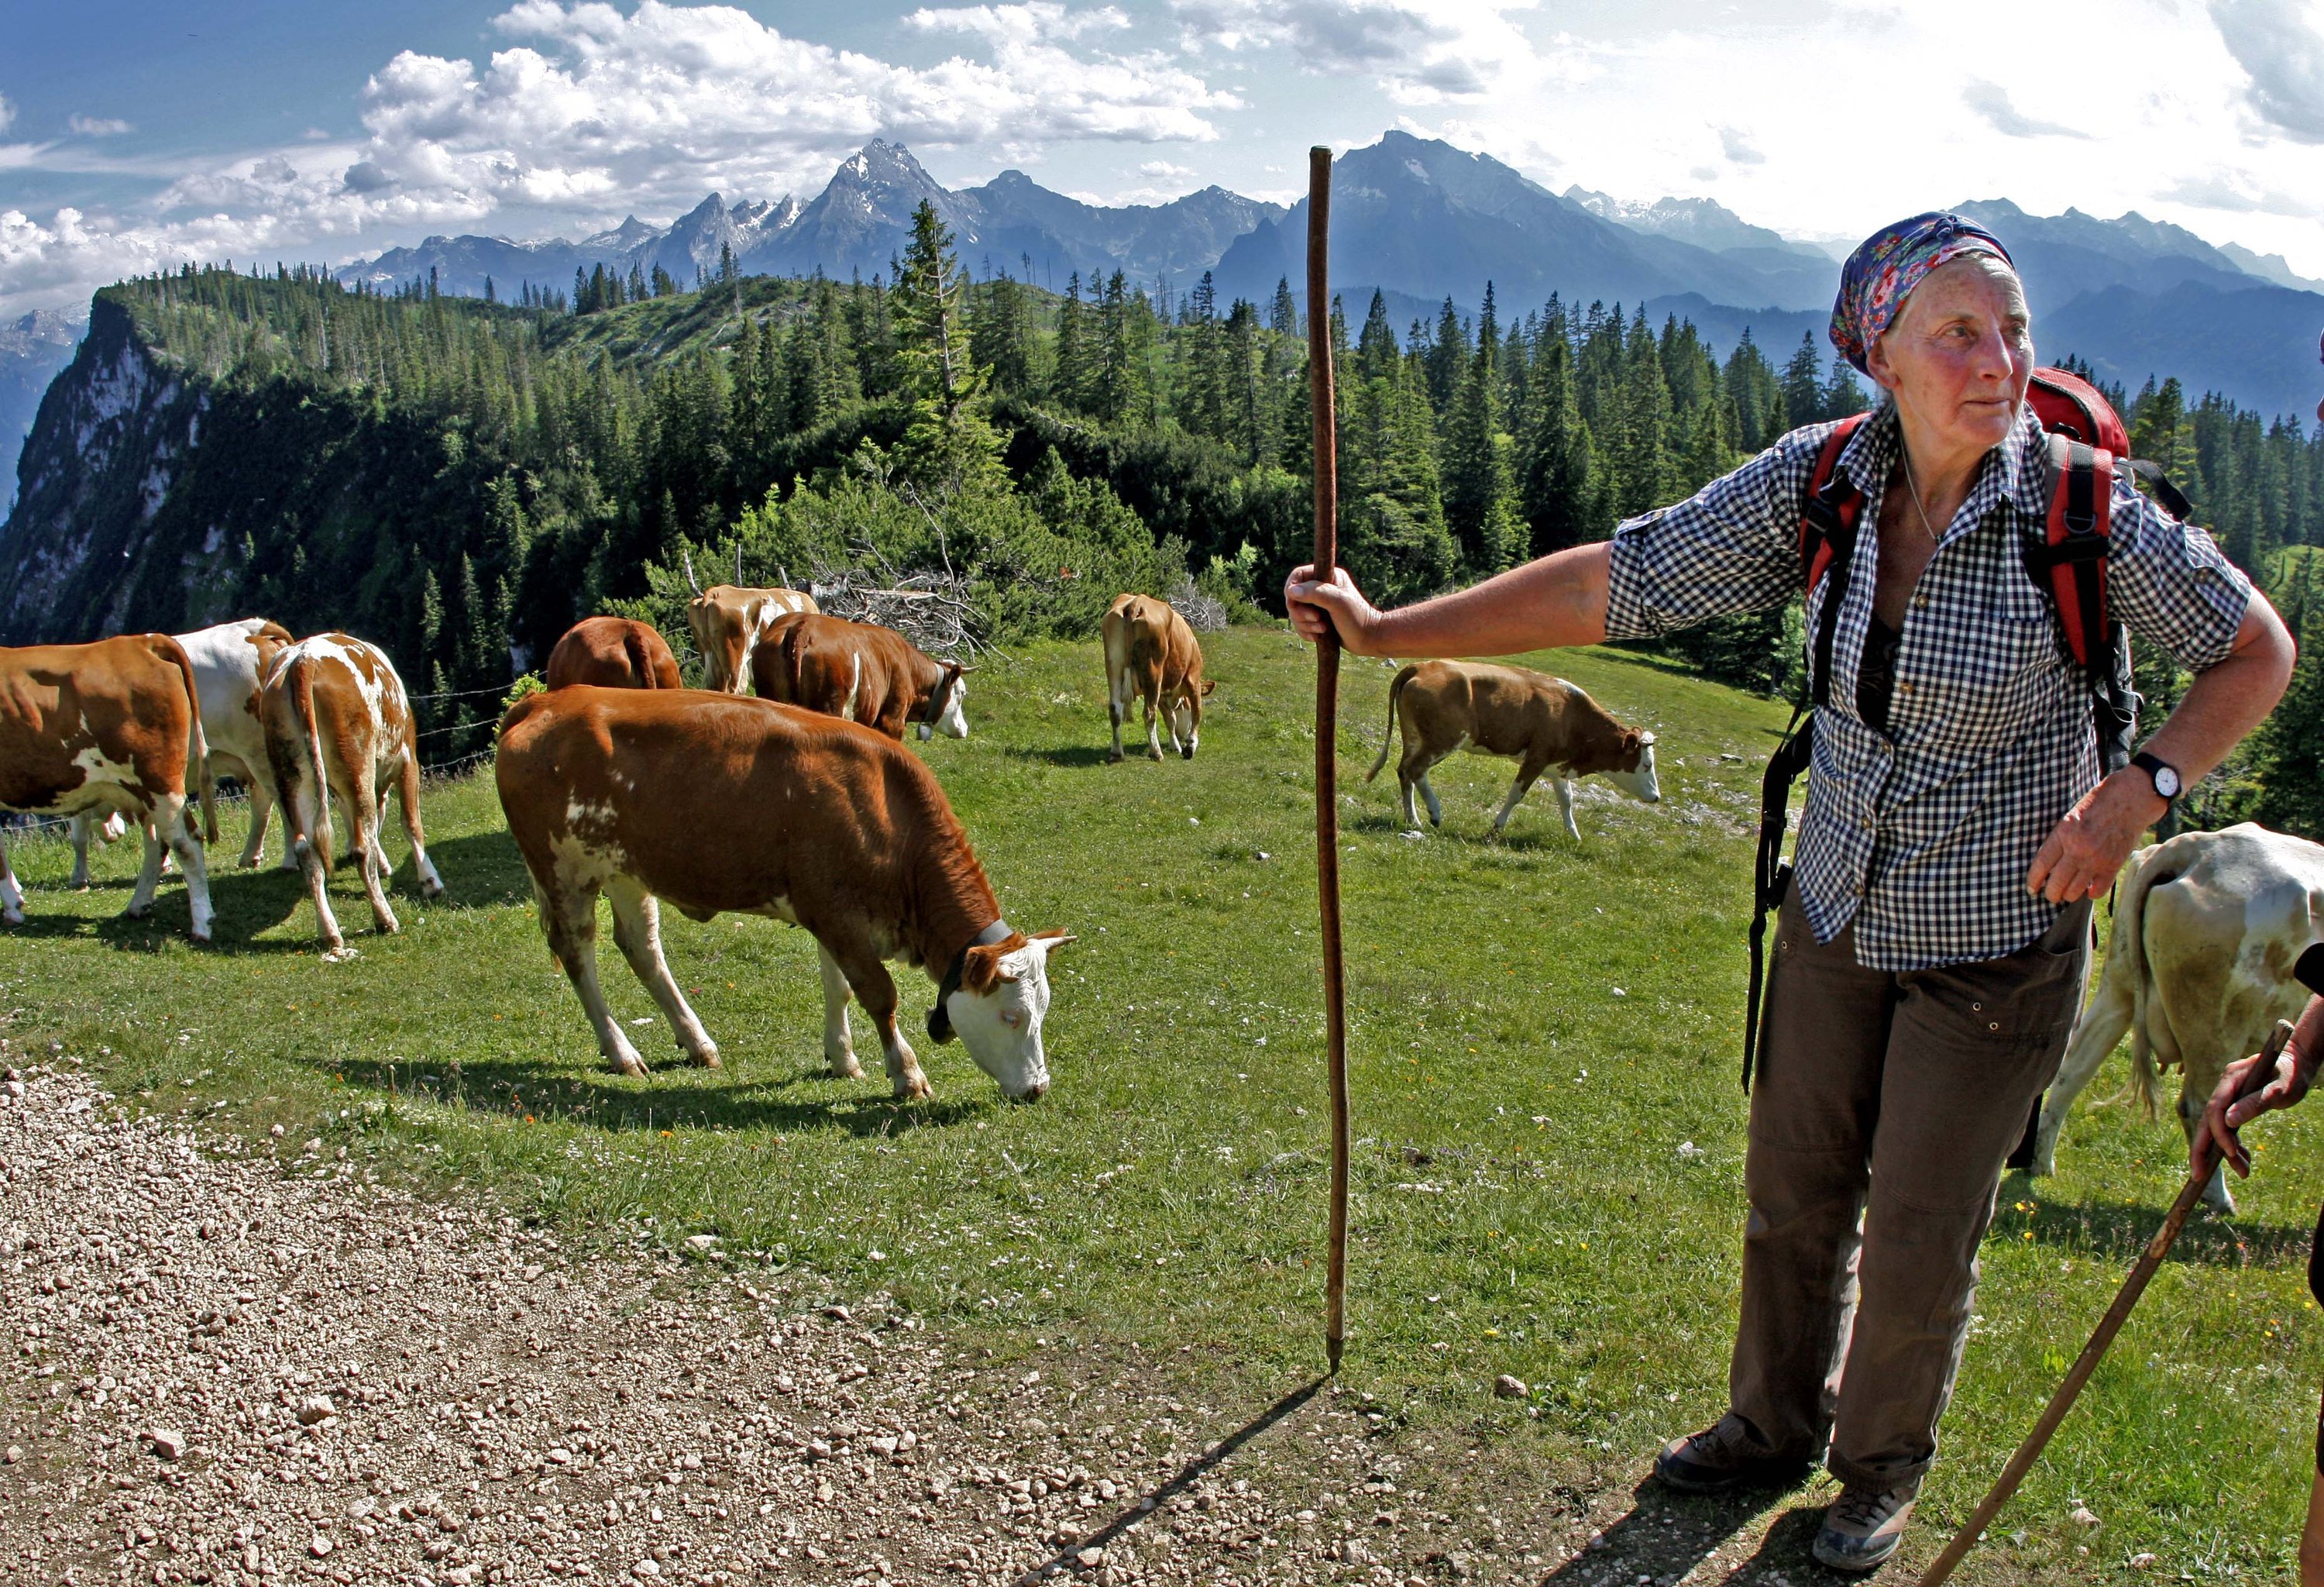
849 1070
1114 757
202 937
431 890
707 1058
631 1067
340 954
136 913
913 1091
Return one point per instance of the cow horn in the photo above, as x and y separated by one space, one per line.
688 556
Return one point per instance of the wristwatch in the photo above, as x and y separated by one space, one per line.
2164 775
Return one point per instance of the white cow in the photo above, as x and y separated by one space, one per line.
227 660
2206 933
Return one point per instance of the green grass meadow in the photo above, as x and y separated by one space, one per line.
1536 1029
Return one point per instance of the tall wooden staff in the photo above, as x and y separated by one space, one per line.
1327 732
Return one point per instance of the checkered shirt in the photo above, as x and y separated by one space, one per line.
1923 836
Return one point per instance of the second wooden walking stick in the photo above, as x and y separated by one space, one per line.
2109 1326
1327 732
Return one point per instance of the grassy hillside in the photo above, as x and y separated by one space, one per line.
1537 1028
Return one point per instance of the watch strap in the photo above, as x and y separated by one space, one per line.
2153 764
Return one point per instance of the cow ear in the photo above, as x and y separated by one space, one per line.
1208 685
981 970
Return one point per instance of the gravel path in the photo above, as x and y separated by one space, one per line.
245 1363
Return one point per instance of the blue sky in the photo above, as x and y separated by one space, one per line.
138 135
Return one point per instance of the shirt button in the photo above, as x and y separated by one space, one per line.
1903 686
1920 602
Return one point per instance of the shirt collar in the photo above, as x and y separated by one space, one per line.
2014 471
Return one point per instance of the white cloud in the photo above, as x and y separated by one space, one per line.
1163 171
98 126
1420 51
1737 145
2280 44
590 110
1991 101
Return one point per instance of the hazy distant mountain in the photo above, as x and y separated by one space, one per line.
1419 216
1704 222
32 348
2274 267
1028 230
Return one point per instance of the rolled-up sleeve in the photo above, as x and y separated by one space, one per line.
1732 547
2170 583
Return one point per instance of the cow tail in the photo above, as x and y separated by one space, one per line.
1387 738
198 746
302 693
2129 945
641 666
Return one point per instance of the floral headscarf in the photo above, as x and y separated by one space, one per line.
1888 264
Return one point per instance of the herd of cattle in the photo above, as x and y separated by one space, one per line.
615 778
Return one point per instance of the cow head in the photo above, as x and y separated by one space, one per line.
997 1009
1186 716
1637 777
944 715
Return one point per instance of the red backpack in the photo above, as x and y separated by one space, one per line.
2087 443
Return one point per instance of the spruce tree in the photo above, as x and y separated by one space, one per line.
1803 384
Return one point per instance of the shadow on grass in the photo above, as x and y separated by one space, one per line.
1061 754
1181 1480
2114 1231
481 870
519 1088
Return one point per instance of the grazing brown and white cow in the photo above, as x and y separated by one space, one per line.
114 726
728 622
1151 657
748 807
228 659
1495 710
2207 929
612 652
338 723
860 672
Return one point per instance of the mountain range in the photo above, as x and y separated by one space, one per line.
1420 221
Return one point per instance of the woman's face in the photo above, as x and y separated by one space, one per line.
1959 353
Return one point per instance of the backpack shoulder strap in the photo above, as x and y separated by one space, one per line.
2069 564
1828 520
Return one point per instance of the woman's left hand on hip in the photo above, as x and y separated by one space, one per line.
2084 852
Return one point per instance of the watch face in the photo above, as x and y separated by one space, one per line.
2166 782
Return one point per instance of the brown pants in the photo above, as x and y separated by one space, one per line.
1912 1086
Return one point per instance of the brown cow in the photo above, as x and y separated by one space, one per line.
750 806
612 652
858 672
1151 657
338 723
728 622
111 726
1493 710
228 659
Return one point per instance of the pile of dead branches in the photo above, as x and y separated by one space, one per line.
1204 614
931 608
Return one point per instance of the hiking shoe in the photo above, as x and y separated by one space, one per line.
1723 1455
1863 1526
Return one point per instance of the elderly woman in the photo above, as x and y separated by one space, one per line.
1929 954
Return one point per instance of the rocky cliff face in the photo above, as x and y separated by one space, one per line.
112 433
